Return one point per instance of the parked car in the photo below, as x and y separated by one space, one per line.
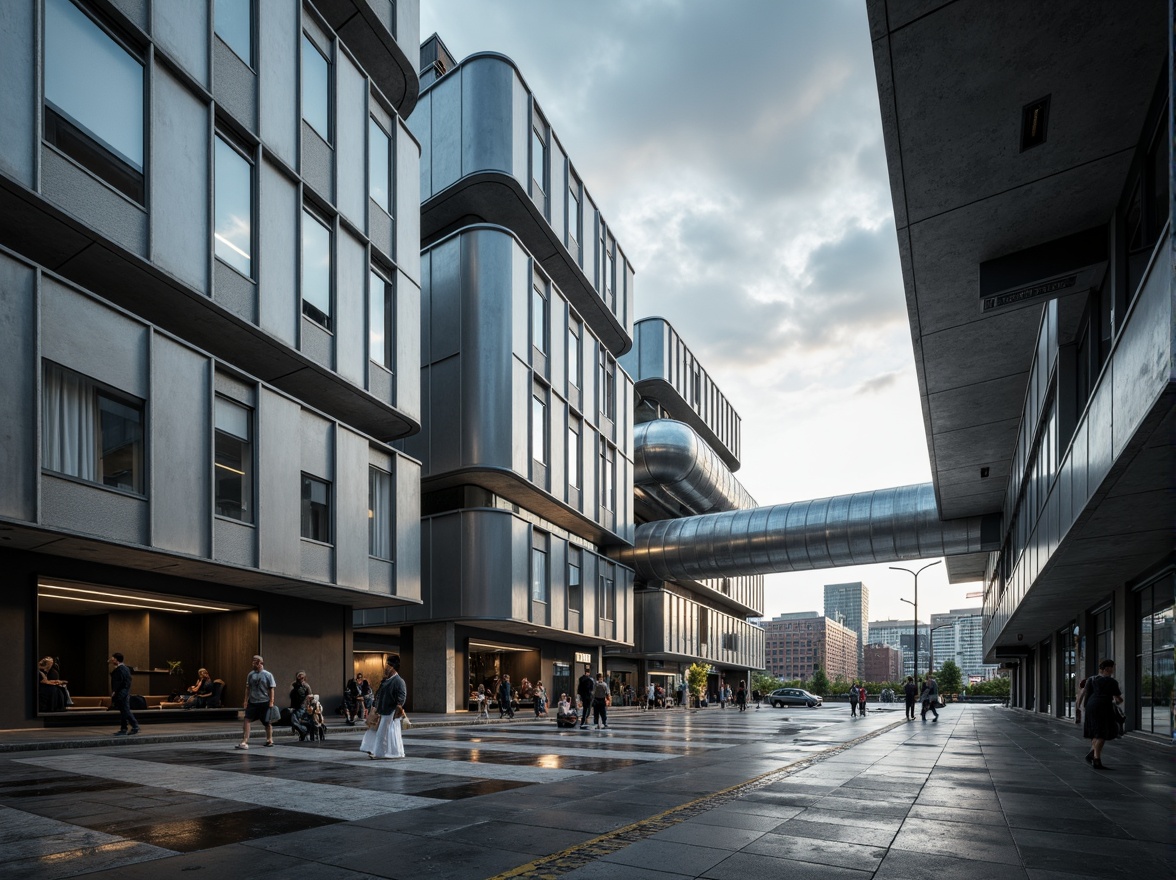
792 697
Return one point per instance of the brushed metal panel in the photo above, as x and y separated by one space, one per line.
18 72
558 362
19 458
420 123
352 542
488 571
407 185
444 540
351 131
1143 354
180 188
181 28
557 189
487 106
234 86
234 542
279 484
1080 456
277 254
317 445
318 164
351 293
519 427
520 277
444 426
180 429
83 334
93 510
94 203
520 133
406 476
408 347
447 262
278 42
445 132
490 414
407 29
1099 430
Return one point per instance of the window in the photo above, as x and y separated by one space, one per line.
539 430
234 25
575 455
233 207
608 598
574 219
93 98
575 587
608 273
91 433
730 642
316 509
233 460
316 269
703 626
607 489
538 159
316 89
607 370
379 166
574 357
379 513
539 568
381 326
539 315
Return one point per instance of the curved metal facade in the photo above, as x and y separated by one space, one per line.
670 457
885 525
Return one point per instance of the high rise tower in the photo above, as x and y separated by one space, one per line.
849 605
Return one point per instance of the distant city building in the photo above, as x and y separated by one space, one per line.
961 639
883 663
900 634
796 644
849 605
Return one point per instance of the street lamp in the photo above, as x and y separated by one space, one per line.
916 602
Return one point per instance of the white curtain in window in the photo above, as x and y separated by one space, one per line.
68 443
380 516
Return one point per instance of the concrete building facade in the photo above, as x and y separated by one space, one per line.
1033 212
849 605
196 466
959 635
883 663
796 644
900 634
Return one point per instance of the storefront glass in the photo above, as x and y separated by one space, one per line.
1154 662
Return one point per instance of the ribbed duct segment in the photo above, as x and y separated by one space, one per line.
669 457
881 526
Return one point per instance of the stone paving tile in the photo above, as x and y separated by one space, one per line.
716 836
967 817
673 856
906 865
608 871
858 819
807 849
748 866
958 847
729 816
832 831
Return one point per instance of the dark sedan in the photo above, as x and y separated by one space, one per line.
793 697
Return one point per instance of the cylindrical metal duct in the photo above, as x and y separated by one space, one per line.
885 525
670 457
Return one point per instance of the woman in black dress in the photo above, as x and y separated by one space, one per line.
1101 722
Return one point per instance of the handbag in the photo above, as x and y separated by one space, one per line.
373 719
404 721
273 715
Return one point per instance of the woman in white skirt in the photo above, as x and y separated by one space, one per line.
383 740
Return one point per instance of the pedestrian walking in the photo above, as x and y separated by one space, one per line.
911 692
758 697
483 699
382 738
853 700
862 691
120 695
741 696
1103 697
260 686
722 694
584 688
600 702
683 698
540 700
930 697
504 698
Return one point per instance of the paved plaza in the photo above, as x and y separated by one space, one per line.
986 792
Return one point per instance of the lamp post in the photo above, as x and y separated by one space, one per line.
916 574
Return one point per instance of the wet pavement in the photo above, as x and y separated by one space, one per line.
985 792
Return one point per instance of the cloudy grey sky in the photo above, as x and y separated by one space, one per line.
736 150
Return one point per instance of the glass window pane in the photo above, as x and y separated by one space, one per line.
539 319
573 456
93 97
316 270
379 166
538 159
574 355
232 418
234 25
575 589
379 513
538 430
538 575
120 444
316 509
316 89
233 462
233 231
380 328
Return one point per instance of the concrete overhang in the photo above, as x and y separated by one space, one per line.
953 78
35 229
96 552
498 198
366 27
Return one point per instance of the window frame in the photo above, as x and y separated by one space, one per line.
539 427
308 212
540 572
576 586
540 313
309 41
389 324
245 155
248 62
389 166
249 462
328 504
375 514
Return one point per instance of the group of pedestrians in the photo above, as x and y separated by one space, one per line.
926 693
594 693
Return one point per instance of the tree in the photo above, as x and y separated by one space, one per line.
949 678
696 674
764 683
820 683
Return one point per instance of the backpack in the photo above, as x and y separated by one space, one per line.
600 690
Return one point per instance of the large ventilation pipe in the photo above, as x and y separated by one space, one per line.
669 458
886 525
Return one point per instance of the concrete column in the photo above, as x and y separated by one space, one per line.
434 672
